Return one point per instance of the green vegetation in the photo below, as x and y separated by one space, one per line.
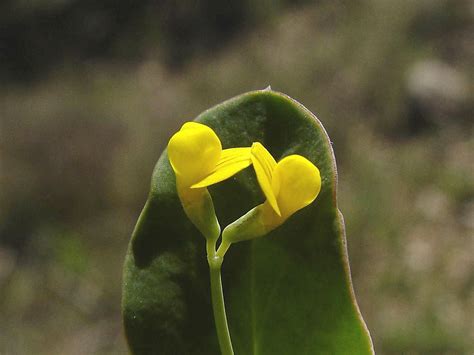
286 293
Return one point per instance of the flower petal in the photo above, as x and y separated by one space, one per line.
264 165
194 152
230 163
297 183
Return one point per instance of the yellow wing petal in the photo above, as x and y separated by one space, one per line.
194 152
297 182
230 163
264 165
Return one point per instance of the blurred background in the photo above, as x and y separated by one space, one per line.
90 92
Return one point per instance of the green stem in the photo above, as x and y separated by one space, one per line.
218 306
223 249
210 248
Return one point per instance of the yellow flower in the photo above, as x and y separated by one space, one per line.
289 185
198 160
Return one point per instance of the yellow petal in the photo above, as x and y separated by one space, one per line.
194 152
264 165
296 182
230 163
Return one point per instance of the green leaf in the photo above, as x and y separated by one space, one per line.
287 293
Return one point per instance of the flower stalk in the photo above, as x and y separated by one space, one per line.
218 305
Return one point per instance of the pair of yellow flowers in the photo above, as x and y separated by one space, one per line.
198 160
